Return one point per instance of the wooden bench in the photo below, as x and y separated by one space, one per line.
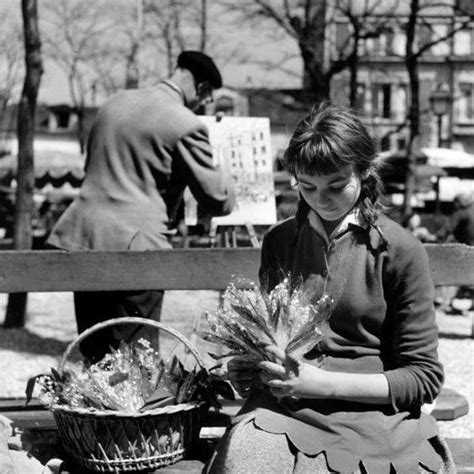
183 269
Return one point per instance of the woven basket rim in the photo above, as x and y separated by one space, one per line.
169 409
161 459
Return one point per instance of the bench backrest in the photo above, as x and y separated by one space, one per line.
178 269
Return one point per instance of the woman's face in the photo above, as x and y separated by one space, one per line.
332 195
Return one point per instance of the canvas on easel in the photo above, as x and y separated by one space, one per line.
241 147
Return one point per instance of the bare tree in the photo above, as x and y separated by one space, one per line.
73 28
135 39
165 22
22 237
11 54
306 22
203 25
366 22
414 51
144 41
116 62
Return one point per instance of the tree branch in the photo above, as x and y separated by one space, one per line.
441 39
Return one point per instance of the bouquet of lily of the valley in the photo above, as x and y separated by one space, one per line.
133 378
250 319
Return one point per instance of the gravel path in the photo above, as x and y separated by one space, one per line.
51 326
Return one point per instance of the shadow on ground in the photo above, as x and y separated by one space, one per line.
23 340
452 336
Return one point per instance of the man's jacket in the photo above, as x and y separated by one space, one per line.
144 148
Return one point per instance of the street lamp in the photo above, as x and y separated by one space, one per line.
440 100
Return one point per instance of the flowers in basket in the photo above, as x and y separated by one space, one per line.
133 378
251 319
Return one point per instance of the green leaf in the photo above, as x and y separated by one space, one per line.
224 389
56 376
30 386
253 317
227 354
159 398
171 400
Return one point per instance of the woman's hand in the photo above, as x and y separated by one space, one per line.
292 378
244 375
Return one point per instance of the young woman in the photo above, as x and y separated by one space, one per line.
353 404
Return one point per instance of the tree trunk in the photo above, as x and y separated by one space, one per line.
203 26
22 236
411 62
81 132
132 79
316 84
354 68
314 52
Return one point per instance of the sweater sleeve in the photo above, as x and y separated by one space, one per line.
208 184
417 376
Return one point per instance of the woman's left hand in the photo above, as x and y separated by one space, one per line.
292 378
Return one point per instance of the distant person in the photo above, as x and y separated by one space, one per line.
462 231
462 223
413 223
145 147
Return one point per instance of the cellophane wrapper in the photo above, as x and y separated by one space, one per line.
127 379
250 319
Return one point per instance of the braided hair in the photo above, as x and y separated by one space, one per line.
330 138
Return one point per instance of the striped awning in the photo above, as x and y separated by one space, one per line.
54 168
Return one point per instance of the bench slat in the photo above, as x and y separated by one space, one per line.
177 269
451 264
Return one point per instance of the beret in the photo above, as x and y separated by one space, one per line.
201 66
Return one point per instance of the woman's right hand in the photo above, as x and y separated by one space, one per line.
243 373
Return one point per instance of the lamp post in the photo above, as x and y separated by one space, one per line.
440 99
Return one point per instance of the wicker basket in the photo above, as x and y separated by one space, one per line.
106 441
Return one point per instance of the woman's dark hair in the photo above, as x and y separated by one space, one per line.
330 138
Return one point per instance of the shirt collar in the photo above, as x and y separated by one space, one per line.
175 88
353 218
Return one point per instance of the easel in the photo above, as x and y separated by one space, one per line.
228 235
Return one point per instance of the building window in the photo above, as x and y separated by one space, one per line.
401 143
465 102
464 42
424 35
399 101
343 37
360 99
381 100
382 45
225 105
386 42
385 143
399 42
441 48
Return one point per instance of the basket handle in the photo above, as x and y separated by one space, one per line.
127 320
